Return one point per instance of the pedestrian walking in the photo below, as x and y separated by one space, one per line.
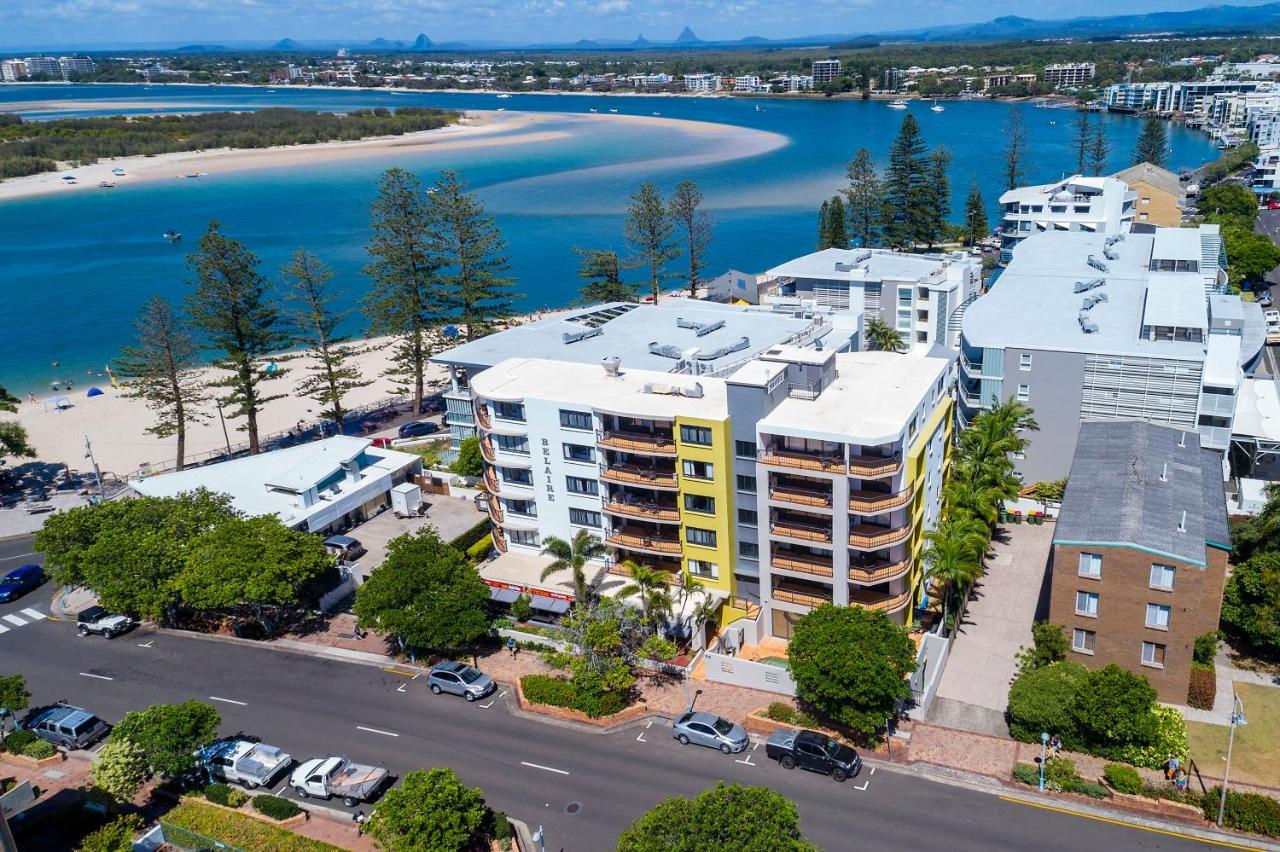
1055 746
1171 767
511 646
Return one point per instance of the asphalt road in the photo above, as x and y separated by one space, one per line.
1268 222
584 788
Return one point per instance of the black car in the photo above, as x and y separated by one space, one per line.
813 751
19 581
418 428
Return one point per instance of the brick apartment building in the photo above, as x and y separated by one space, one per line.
1140 550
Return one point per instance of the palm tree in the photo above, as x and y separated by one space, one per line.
706 611
650 585
574 556
685 587
964 497
882 336
954 554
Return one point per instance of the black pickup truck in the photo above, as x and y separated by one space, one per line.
813 751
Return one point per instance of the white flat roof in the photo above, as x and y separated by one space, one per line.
524 568
836 264
1222 360
1175 299
872 399
1177 244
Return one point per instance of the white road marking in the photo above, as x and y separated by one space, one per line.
376 731
3 629
502 693
34 613
146 644
400 688
544 768
14 620
746 762
98 677
640 737
100 747
864 785
756 746
228 701
19 556
873 771
648 726
485 706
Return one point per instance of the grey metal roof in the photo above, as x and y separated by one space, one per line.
1130 483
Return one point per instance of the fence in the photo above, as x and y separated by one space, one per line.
931 661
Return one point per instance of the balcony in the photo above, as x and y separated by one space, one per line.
499 540
803 595
649 443
667 566
799 529
490 480
971 368
495 510
879 601
482 415
801 460
874 466
790 492
871 572
486 449
645 511
804 563
630 474
878 501
873 537
643 541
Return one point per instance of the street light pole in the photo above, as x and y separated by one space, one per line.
1237 718
223 420
1044 741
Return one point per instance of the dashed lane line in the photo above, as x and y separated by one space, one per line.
229 701
96 676
376 731
34 613
14 620
544 768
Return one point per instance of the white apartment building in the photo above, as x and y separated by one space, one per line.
1265 179
1069 74
792 83
825 70
1247 71
917 294
12 70
641 81
57 67
1139 97
749 83
1263 129
1235 110
1097 205
701 82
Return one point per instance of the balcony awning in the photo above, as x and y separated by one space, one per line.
505 596
546 604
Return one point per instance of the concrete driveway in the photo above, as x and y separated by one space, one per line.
451 516
974 690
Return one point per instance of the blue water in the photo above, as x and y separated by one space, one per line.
75 269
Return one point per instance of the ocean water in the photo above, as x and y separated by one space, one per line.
75 269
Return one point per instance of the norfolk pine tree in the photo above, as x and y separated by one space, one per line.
824 230
651 233
1015 151
602 270
694 225
906 186
933 223
315 323
975 216
1082 140
864 200
837 227
163 371
1099 150
1153 143
231 303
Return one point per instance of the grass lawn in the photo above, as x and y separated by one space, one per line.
1257 748
243 832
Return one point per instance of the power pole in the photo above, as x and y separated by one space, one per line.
97 474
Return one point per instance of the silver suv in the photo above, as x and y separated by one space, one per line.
69 727
460 679
708 729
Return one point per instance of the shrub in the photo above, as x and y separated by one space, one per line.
500 828
1112 709
558 692
521 607
1040 702
1202 687
1061 774
479 532
1049 645
18 740
1250 812
239 830
477 553
39 750
657 648
1170 738
1090 789
1027 773
1123 779
224 794
1206 648
115 836
781 711
275 807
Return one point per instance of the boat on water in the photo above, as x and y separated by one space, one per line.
503 95
172 236
897 103
758 109
657 113
611 109
194 174
106 184
936 107
501 109
593 109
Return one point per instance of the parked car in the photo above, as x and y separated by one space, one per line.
1264 298
19 581
708 729
346 548
98 621
813 751
326 777
69 727
418 429
1272 317
460 679
1273 205
246 762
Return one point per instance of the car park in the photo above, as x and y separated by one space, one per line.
418 429
97 621
708 729
19 581
460 679
69 727
812 751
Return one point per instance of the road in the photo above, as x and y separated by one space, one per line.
1268 222
584 788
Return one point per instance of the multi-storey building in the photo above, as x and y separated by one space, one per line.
1140 551
825 70
644 81
12 70
1139 97
891 79
917 294
1265 178
701 82
48 65
791 83
1095 205
1160 194
69 65
1069 74
749 83
1088 327
1263 129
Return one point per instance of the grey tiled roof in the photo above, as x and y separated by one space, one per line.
1116 493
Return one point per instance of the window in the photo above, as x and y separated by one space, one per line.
1083 641
583 518
695 535
1162 577
582 485
749 549
703 568
1024 393
1087 604
1153 654
517 475
744 449
699 470
512 444
1142 217
528 508
695 435
1024 361
1091 565
1158 616
700 503
579 453
747 483
576 420
509 411
748 517
529 537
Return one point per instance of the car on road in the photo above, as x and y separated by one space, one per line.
246 762
459 679
98 621
327 777
346 548
708 729
69 727
1264 298
812 751
1273 205
418 429
1272 317
19 581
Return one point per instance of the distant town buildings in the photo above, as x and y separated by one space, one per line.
891 79
54 67
825 70
701 82
1070 74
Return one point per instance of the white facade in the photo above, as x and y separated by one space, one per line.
793 83
702 82
641 81
1139 97
825 70
1266 170
1097 205
749 83
12 70
1069 74
1264 129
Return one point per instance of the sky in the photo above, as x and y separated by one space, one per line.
47 23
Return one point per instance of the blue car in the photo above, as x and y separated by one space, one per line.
418 429
19 581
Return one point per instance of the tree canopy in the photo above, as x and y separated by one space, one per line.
169 735
728 816
430 811
1251 603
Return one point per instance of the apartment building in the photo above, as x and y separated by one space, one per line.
1139 97
917 294
12 70
825 70
1140 551
1263 129
1265 177
1069 74
645 81
56 67
1160 194
701 82
791 83
749 83
1095 205
1086 327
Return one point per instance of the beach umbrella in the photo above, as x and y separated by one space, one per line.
272 368
450 331
61 402
94 392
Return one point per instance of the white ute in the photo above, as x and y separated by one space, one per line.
246 762
327 777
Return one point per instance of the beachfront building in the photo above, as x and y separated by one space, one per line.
325 486
1138 97
1070 74
749 83
1263 129
1140 551
791 83
825 70
650 81
701 82
1095 205
1085 327
12 70
917 294
1265 176
1161 196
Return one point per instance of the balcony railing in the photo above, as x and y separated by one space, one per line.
871 537
874 465
486 450
627 474
633 539
803 597
491 480
482 416
637 442
793 529
644 511
973 368
879 572
877 501
804 564
803 461
499 540
495 510
802 496
879 601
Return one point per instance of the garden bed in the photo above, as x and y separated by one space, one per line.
32 762
236 828
248 810
627 714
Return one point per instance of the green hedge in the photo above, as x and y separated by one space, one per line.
1040 702
275 807
39 750
225 795
1026 773
19 740
1123 779
471 536
558 692
478 551
1251 812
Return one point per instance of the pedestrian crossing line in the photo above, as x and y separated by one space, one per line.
34 613
14 620
3 629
